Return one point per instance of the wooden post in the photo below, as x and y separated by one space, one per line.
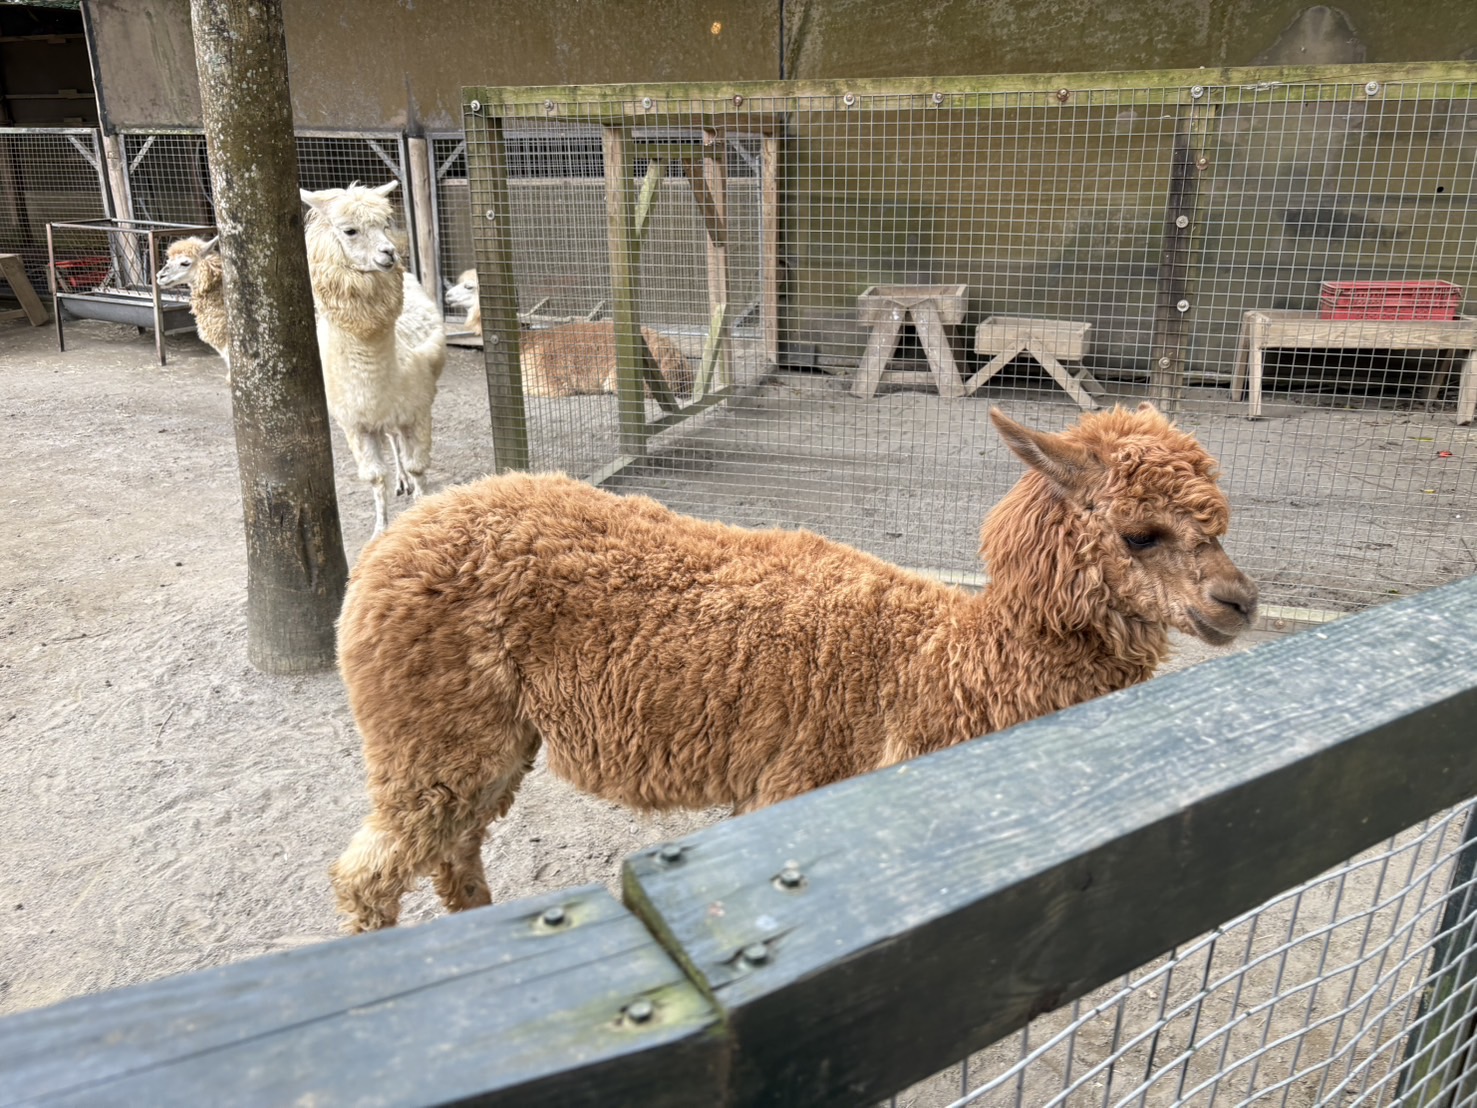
624 269
422 173
1175 298
769 248
124 248
715 181
295 566
492 238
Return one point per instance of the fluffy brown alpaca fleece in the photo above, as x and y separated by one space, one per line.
671 662
580 358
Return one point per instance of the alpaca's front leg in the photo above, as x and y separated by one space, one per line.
414 452
368 448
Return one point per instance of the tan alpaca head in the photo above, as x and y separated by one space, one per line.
183 256
353 227
1128 510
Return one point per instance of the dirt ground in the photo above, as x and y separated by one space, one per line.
164 807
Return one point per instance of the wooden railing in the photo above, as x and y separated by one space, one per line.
837 947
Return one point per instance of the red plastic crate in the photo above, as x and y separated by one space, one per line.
1389 300
84 274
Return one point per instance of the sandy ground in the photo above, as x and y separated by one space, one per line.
164 807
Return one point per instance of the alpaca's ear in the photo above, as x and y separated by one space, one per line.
386 188
1145 406
1068 466
209 246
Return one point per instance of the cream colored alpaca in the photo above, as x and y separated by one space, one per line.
463 297
669 662
195 262
380 337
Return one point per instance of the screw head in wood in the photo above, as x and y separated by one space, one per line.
646 102
671 853
476 106
554 917
738 100
1182 221
938 98
1164 362
489 214
1182 306
1063 95
1197 91
1372 89
849 99
548 105
790 877
639 1011
1201 162
756 954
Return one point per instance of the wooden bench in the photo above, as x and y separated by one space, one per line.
930 308
1050 341
14 271
1268 329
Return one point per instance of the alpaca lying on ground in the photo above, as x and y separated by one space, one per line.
380 337
670 662
195 262
463 297
575 358
579 358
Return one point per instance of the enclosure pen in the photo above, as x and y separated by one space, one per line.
857 271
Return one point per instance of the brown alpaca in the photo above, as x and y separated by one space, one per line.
579 358
669 662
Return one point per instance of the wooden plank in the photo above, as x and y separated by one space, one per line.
1169 344
880 345
625 308
1304 329
1063 338
769 248
492 237
715 181
936 348
765 102
949 301
493 1004
992 367
943 903
711 347
14 272
656 169
422 173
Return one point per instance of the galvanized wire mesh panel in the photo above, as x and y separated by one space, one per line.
51 176
1355 988
169 174
1044 249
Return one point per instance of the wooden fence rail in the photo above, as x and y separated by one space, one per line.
837 947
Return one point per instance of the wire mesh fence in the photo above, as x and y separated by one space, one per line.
840 284
51 176
1354 988
169 174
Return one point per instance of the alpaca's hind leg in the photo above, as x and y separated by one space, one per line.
414 442
460 880
371 877
368 448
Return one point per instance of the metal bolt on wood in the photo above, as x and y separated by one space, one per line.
1197 91
490 214
1372 89
938 98
476 106
1063 95
671 853
1182 306
1182 221
738 100
554 917
756 954
646 102
640 1011
548 105
849 99
790 877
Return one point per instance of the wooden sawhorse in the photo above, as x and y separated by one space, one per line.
1049 341
885 308
14 271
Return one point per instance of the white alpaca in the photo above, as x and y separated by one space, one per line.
381 339
463 297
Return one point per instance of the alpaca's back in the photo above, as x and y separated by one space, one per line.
578 358
420 334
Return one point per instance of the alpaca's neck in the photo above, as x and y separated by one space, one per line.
359 306
1045 633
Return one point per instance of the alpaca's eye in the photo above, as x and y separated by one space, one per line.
1141 542
185 263
351 231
